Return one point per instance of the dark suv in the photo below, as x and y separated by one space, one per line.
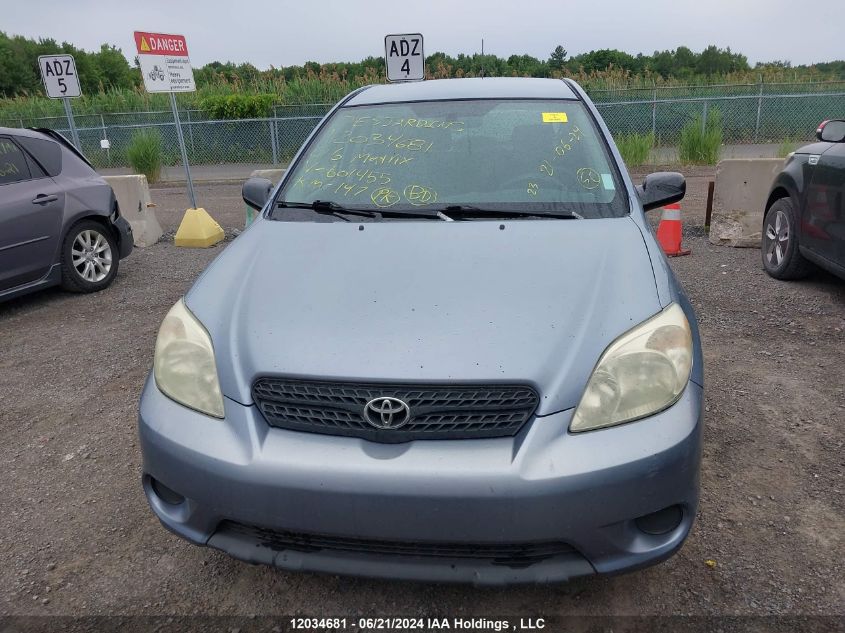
59 220
805 213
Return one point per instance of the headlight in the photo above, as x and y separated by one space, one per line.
184 366
642 372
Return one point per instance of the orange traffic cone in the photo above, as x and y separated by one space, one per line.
669 231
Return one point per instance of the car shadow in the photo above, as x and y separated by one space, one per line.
32 301
822 280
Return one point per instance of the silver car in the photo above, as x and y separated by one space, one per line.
448 349
59 220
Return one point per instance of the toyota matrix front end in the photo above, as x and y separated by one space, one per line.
448 349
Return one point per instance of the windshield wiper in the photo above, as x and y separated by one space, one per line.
327 207
470 211
333 208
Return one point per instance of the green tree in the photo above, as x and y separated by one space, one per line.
17 73
527 66
113 70
714 60
603 59
557 58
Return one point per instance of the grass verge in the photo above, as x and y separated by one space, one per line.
144 154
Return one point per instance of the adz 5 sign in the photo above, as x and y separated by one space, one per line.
404 57
59 75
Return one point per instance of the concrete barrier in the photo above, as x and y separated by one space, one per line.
273 175
133 196
739 200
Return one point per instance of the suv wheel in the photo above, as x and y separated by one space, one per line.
89 257
781 257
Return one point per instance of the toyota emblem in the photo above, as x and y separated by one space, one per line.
386 413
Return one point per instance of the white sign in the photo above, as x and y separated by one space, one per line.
404 57
165 65
58 72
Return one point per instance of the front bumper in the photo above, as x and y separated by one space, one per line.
125 240
544 485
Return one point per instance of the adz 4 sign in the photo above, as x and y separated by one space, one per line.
58 72
404 57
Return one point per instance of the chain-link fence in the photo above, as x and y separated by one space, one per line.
271 140
750 113
753 113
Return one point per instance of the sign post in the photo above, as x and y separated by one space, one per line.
404 58
184 151
166 67
58 72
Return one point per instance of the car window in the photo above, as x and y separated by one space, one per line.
13 167
48 154
499 154
35 170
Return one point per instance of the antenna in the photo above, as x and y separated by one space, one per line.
482 58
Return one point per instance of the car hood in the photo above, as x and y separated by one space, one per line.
529 301
814 148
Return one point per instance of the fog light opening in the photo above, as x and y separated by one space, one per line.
166 494
661 522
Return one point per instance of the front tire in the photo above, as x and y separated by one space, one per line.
89 257
781 257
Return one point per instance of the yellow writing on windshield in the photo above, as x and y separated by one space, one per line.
588 177
384 197
561 149
383 159
419 195
392 141
388 121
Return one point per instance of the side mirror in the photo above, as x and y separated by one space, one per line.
661 188
256 192
831 131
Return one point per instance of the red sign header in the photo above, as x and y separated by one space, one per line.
160 44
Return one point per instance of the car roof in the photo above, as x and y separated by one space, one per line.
469 88
22 131
47 134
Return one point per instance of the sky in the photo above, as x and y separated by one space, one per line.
283 33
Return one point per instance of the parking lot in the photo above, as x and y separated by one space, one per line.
78 538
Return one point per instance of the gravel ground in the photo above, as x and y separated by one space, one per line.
77 538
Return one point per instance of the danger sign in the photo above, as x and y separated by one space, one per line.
58 72
165 65
404 57
160 44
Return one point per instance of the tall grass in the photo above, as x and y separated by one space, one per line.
329 87
635 148
701 142
788 145
238 106
144 154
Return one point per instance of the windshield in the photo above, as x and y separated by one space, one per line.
501 156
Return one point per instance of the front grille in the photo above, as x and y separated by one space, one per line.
508 554
437 411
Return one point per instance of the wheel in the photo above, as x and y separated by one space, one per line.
89 257
781 257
